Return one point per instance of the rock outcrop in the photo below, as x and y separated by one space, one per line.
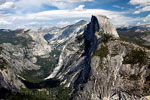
18 57
102 25
8 78
72 61
107 68
118 69
39 46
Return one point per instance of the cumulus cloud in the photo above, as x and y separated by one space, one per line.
116 17
147 19
60 4
66 3
141 5
63 16
6 6
80 7
71 1
140 2
142 9
4 22
53 16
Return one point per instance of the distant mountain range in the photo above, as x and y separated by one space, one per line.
137 34
138 28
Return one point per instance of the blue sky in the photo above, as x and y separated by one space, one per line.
48 13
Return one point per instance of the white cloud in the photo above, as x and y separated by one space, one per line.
71 1
142 9
4 22
63 23
68 16
33 23
61 4
147 19
80 7
116 17
55 14
140 2
6 6
116 6
141 5
138 23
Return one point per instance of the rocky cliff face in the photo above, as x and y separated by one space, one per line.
119 70
100 66
102 25
39 46
8 78
75 56
58 37
33 50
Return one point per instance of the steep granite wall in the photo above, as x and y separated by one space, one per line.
107 68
